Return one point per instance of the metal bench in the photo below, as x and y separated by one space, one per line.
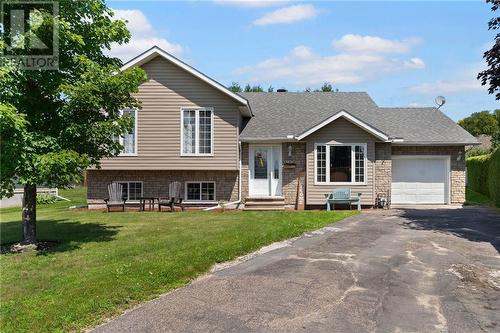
342 196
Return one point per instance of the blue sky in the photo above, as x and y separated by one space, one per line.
401 53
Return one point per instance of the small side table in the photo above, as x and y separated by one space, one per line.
150 200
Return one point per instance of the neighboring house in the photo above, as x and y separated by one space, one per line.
290 148
483 147
17 199
484 142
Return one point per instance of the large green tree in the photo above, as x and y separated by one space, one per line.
478 123
491 75
56 123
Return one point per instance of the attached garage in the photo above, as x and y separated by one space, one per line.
420 180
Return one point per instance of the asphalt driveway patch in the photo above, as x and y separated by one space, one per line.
403 270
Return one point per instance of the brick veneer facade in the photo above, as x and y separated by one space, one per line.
293 178
457 165
383 168
244 171
294 173
155 182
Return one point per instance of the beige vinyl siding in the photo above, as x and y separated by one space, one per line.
340 131
159 123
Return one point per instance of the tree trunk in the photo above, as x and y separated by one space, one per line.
29 214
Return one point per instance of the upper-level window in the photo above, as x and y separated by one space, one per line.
129 140
341 163
197 131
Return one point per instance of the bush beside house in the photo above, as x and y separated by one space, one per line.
483 175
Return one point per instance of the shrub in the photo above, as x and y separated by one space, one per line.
477 173
476 151
483 175
44 199
494 177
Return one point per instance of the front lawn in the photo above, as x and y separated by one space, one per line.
107 263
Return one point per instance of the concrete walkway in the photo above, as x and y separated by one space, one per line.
405 270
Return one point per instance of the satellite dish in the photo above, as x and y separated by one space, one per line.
440 100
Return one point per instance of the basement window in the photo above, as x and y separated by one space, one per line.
200 191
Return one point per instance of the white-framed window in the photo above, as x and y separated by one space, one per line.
200 191
340 163
197 131
132 190
129 140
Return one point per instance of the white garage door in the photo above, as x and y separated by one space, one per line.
419 180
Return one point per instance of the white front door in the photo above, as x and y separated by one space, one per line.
265 170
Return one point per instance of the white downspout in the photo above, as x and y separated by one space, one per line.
239 185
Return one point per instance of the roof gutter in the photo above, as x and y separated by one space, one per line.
434 143
288 138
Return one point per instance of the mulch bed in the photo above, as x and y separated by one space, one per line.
40 246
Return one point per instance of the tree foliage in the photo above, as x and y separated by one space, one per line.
326 87
235 87
495 139
56 123
478 123
255 88
491 75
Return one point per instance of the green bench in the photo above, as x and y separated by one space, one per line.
342 196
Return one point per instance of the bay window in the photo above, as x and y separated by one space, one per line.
340 163
197 131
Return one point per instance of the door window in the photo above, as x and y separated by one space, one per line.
260 164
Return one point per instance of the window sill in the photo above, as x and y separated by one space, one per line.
341 184
126 155
199 202
197 155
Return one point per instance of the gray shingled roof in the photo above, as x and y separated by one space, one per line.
280 114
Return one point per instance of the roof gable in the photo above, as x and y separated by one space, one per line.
375 132
155 51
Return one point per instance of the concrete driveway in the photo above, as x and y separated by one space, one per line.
404 270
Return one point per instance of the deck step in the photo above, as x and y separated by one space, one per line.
269 203
264 203
260 208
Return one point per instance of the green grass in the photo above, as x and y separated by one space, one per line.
475 198
107 263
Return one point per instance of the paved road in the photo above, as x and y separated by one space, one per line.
393 271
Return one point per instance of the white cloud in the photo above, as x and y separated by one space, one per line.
371 44
460 81
302 66
448 87
415 63
250 3
143 36
287 15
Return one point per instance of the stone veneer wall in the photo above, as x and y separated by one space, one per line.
155 182
244 171
383 168
457 165
294 174
293 168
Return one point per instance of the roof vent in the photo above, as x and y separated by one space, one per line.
281 90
